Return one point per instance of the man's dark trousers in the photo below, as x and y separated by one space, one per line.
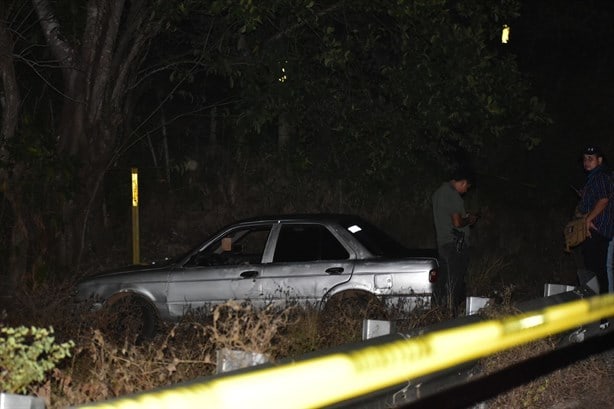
450 289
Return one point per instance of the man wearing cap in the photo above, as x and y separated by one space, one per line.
597 203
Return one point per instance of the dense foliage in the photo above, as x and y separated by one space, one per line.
365 90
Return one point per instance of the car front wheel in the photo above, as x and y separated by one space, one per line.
129 317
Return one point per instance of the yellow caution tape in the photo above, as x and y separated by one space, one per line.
340 376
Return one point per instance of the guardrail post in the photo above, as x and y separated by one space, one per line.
376 328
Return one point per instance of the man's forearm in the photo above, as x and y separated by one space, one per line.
597 209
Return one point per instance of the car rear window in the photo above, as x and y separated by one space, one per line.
374 239
307 242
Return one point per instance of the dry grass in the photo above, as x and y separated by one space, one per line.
486 273
103 367
586 383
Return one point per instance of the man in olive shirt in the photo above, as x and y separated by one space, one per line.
452 224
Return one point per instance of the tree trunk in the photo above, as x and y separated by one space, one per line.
12 98
97 76
19 237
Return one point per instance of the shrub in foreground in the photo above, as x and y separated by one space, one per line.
27 355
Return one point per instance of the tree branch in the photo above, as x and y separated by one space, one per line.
144 26
61 49
103 66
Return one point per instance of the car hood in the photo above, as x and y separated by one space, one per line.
132 269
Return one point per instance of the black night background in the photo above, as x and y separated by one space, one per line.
565 48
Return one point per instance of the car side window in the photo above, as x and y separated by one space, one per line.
241 246
308 242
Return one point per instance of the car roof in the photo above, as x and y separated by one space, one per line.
337 217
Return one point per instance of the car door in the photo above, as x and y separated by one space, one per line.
307 261
225 269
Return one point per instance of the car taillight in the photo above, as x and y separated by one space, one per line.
433 275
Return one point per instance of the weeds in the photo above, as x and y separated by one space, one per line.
104 367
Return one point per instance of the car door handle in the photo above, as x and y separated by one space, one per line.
249 274
334 270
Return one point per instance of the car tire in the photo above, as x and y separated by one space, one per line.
342 317
129 317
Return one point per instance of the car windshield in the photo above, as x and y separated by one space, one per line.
374 239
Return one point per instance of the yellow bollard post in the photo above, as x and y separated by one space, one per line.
136 256
505 34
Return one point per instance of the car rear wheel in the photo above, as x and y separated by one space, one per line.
343 314
129 317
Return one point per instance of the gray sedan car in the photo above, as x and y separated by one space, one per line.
321 259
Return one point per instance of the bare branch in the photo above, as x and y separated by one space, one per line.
137 37
34 65
103 67
91 34
302 23
133 141
61 49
